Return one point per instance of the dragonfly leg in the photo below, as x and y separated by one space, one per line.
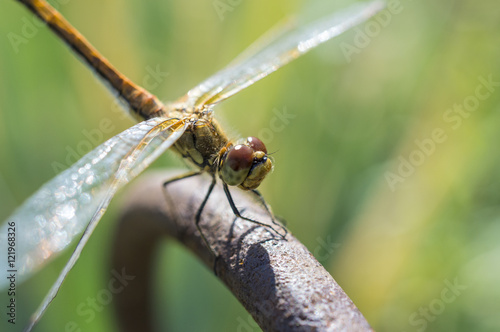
200 209
198 218
168 198
237 213
268 209
177 178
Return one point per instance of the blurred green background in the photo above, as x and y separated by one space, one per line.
410 229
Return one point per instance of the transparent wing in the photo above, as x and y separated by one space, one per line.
256 64
49 220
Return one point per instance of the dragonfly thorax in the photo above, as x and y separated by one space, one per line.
201 143
244 165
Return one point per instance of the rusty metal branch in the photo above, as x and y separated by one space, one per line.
278 281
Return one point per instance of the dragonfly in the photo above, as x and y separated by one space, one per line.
75 200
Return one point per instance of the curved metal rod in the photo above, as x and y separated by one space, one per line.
279 282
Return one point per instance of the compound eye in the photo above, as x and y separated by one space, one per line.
256 144
237 164
240 158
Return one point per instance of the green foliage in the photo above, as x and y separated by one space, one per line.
395 211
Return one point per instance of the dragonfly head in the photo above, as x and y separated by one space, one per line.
246 164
